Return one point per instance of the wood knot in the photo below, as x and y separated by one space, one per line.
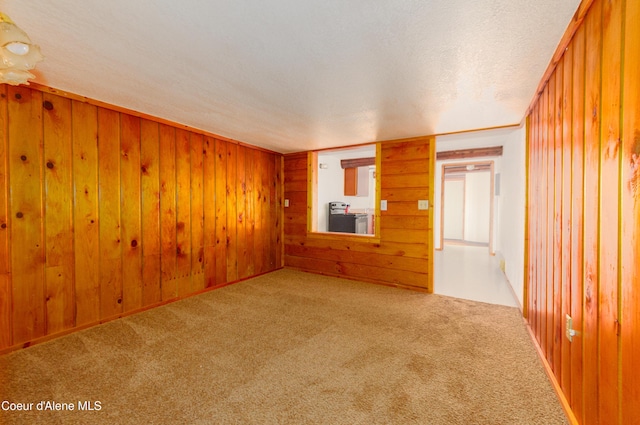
18 96
134 243
49 164
3 226
23 157
119 300
19 214
47 105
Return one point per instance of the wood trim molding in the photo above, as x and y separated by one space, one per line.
552 378
84 99
64 332
357 162
469 153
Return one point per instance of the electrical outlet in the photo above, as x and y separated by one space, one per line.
383 205
423 204
286 202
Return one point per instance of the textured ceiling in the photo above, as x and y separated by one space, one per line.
293 75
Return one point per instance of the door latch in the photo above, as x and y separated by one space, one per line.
570 332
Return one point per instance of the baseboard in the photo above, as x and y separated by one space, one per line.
552 378
46 338
362 279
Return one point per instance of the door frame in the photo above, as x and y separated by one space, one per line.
491 165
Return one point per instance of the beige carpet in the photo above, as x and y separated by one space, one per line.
294 348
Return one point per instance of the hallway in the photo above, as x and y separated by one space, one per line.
469 272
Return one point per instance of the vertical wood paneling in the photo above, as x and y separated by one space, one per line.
273 218
557 224
577 210
27 254
600 215
250 210
183 199
630 219
537 223
168 208
221 212
103 213
110 224
197 213
567 110
86 228
544 224
551 259
150 186
6 332
591 202
209 193
609 195
279 210
131 212
267 176
258 213
530 214
241 212
58 213
232 218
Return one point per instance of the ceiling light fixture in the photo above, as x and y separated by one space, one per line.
17 54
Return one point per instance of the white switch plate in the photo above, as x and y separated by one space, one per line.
286 202
423 204
383 205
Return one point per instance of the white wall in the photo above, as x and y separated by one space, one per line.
512 210
509 206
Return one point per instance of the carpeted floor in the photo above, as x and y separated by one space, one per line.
290 348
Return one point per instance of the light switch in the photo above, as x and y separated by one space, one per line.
383 205
286 202
423 204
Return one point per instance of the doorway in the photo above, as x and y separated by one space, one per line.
466 215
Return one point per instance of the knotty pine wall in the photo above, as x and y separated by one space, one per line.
402 255
584 216
103 213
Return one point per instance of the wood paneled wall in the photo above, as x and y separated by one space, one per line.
402 254
103 213
584 216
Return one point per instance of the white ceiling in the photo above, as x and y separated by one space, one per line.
292 75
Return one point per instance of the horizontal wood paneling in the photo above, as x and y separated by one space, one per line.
584 216
401 254
104 213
